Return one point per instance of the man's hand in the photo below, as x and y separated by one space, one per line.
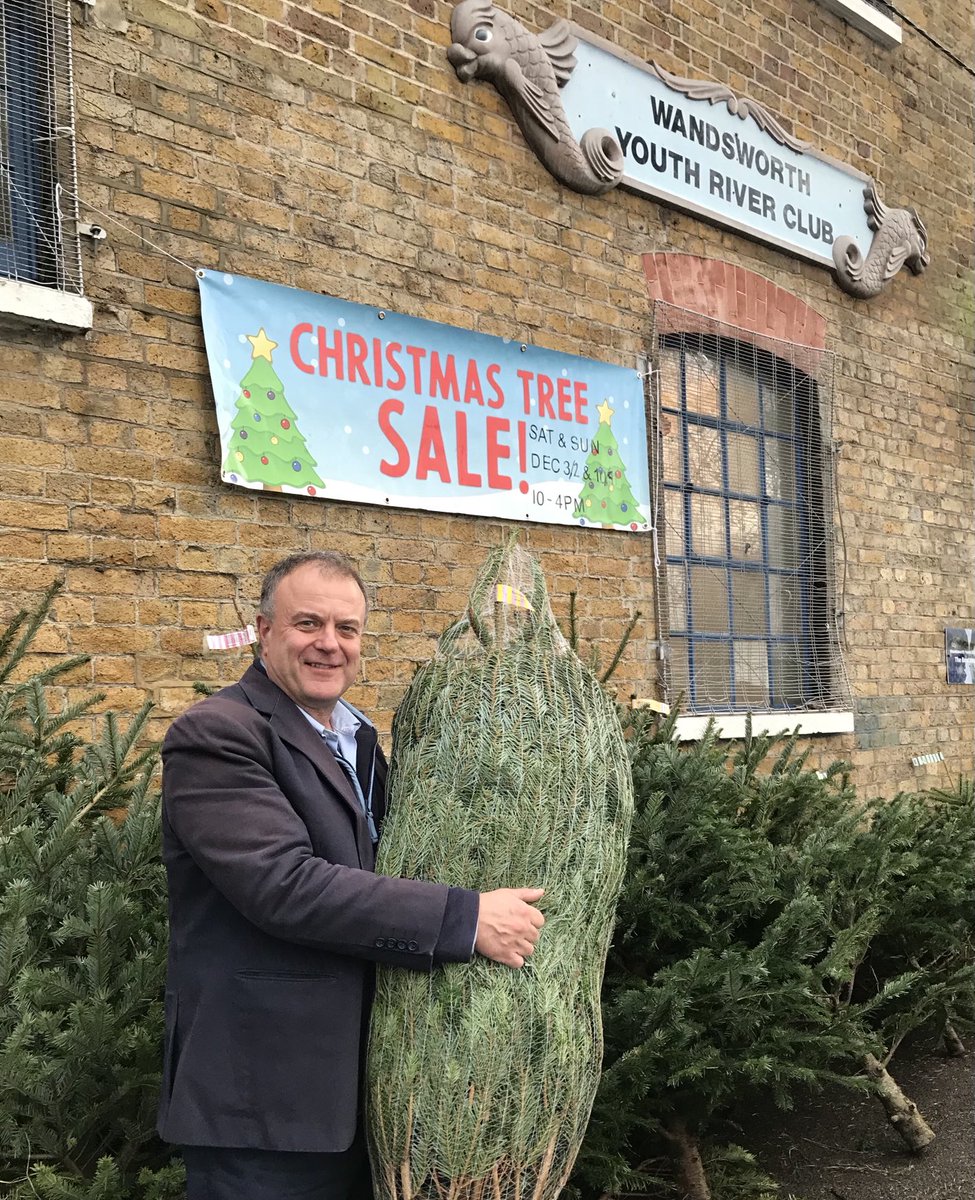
508 924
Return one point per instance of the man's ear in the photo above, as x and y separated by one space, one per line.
263 625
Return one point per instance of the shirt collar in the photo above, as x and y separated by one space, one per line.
346 718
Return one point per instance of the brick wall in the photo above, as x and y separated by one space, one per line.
329 146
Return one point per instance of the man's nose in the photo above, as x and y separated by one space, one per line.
327 638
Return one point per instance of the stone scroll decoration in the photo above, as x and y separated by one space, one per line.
739 106
529 70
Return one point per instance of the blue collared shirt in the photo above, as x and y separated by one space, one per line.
340 739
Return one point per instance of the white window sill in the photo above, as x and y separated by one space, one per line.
867 19
732 725
31 304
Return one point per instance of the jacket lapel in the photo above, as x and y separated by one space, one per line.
289 724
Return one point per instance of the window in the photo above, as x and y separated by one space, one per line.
746 549
38 217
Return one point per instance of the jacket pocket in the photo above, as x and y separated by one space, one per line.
299 1049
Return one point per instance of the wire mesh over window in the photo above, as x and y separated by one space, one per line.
38 214
743 477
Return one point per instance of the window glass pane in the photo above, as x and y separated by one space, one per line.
712 674
668 378
704 456
783 536
677 597
751 674
748 594
783 603
701 384
707 525
709 599
673 532
780 469
745 519
741 394
786 676
778 410
743 463
670 448
679 675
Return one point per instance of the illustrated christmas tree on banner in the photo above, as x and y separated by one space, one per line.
266 446
606 497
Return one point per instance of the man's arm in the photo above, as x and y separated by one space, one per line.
224 807
229 813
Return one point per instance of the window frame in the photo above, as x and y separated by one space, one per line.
815 707
40 267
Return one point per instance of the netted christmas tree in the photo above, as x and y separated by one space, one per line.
509 769
266 445
606 497
82 945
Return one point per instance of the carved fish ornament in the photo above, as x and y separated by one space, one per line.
528 69
900 239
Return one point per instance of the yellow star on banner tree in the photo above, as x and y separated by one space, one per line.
606 497
266 446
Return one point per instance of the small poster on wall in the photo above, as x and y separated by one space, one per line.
322 397
960 654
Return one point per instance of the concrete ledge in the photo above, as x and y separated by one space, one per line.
867 19
732 725
31 304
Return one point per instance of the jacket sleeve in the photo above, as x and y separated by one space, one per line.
224 807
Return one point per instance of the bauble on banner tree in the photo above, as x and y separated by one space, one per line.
509 769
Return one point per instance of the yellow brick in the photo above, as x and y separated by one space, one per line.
21 545
36 515
106 581
108 639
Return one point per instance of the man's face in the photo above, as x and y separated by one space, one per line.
312 644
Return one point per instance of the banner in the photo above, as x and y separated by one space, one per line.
326 398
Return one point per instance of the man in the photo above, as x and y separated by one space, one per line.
273 795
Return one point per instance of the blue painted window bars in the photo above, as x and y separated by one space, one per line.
38 181
743 483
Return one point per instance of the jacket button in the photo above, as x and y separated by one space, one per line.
381 943
412 946
401 945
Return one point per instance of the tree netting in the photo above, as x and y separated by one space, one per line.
508 770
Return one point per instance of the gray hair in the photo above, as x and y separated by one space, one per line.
329 562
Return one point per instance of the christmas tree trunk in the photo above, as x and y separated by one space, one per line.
509 769
688 1166
901 1111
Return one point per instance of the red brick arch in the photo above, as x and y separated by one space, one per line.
733 296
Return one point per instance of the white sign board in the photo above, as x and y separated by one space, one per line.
698 155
